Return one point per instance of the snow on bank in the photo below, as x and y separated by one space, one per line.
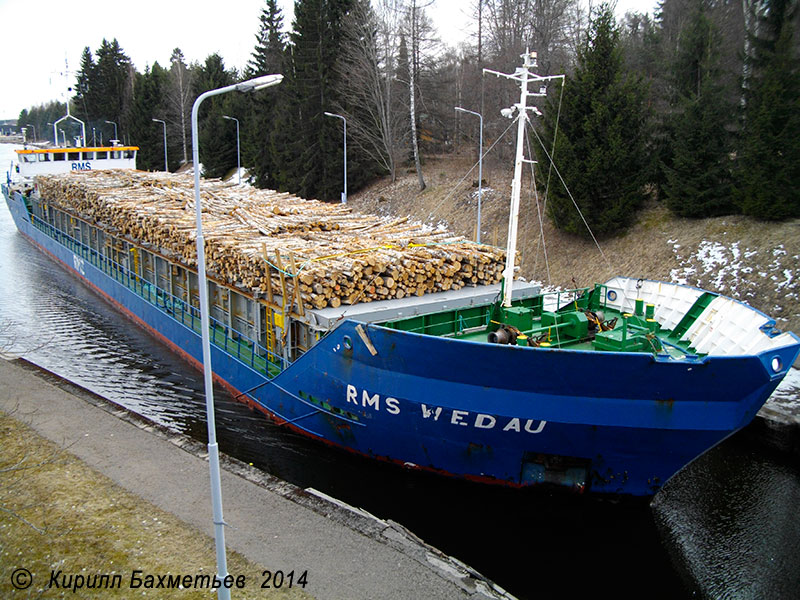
746 274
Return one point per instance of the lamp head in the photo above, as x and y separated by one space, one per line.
259 83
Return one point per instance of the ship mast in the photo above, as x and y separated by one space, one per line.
68 115
524 76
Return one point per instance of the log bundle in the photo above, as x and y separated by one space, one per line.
316 253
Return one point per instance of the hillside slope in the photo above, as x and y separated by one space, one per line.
755 262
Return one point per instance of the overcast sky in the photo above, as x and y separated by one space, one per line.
38 37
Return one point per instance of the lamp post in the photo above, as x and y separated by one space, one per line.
238 153
480 167
166 164
115 129
259 83
344 194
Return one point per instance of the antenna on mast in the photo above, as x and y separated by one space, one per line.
67 90
524 76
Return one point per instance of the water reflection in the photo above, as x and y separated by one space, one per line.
731 522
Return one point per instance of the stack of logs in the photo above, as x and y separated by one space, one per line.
319 253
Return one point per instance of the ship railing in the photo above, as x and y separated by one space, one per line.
232 341
451 323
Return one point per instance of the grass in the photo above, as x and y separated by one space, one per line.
57 514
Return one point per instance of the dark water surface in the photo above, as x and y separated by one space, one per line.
726 527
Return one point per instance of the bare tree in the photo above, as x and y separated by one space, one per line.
413 28
179 99
368 64
541 25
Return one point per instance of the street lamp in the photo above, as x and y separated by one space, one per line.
238 153
480 167
166 164
344 194
55 135
115 129
259 83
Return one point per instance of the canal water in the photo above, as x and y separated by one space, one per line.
725 527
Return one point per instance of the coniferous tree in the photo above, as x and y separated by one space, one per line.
39 117
283 151
148 103
768 166
601 144
217 143
83 86
313 154
260 109
697 165
111 88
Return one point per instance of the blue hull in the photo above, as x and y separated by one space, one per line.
618 423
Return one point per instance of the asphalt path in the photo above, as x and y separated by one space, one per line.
349 554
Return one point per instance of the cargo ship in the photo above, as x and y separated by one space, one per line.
410 346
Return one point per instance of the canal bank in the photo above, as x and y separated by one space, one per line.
346 552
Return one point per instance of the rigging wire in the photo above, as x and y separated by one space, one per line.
572 198
455 187
535 196
555 136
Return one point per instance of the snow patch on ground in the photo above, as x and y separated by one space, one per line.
749 275
735 271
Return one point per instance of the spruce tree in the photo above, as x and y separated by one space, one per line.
260 109
112 88
768 166
217 143
601 146
148 103
313 153
82 101
698 172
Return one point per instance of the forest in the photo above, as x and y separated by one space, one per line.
698 106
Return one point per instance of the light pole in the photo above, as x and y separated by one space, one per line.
115 129
166 164
259 83
238 154
480 167
344 194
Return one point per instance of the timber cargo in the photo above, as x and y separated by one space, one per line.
330 254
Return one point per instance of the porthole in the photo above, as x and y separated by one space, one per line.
347 342
777 364
612 295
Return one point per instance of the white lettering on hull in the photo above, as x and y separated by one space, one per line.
458 417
